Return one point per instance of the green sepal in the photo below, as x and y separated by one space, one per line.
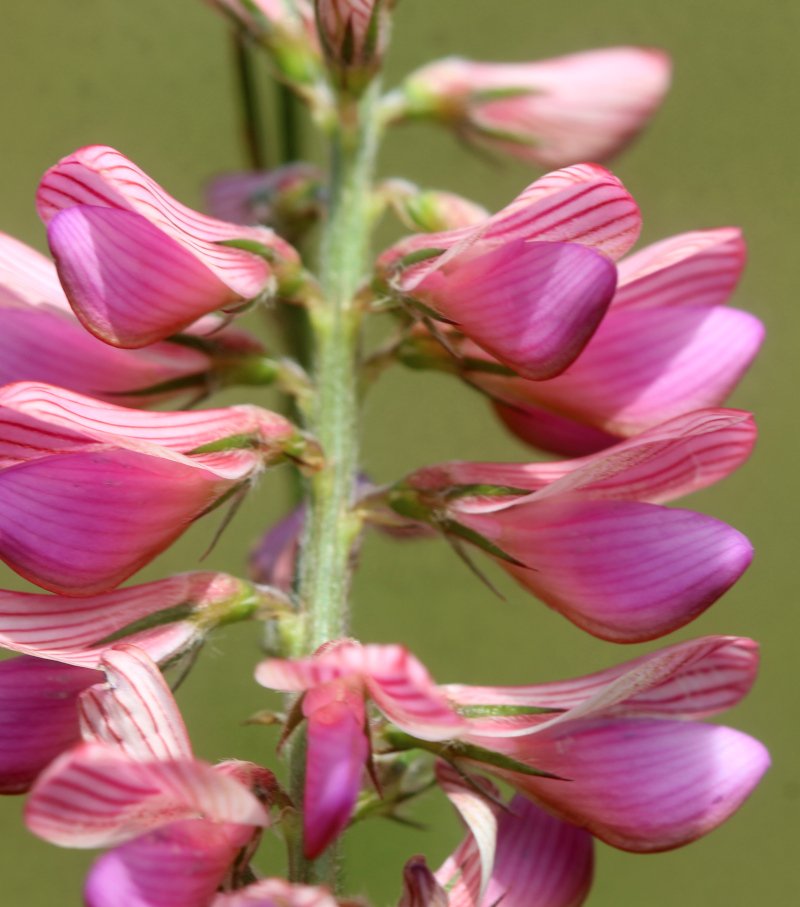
502 711
452 527
454 750
253 246
484 491
414 258
232 442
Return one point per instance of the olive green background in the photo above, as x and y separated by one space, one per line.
153 79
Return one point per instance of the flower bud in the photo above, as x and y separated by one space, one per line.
353 34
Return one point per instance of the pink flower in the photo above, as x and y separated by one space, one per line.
63 641
667 345
136 265
353 34
519 855
584 106
90 492
613 751
43 341
336 681
531 284
586 536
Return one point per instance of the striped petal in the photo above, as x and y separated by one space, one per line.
80 418
584 106
81 523
38 716
179 865
96 796
134 710
700 269
79 630
100 176
623 571
396 681
541 861
644 366
128 283
480 817
583 204
276 893
533 306
639 784
694 679
681 456
337 753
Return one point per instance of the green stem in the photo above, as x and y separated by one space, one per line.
252 128
332 527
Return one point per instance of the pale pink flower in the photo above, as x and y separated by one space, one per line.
531 284
137 265
586 536
63 641
90 492
584 106
42 340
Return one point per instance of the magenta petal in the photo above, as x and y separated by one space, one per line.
180 865
643 785
550 431
81 523
127 281
644 366
541 861
335 759
38 716
420 887
622 570
531 305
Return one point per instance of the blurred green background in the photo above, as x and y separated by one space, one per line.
153 79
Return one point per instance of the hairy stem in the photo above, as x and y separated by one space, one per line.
332 527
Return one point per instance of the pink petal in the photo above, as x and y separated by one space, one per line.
541 861
276 893
335 758
533 306
550 431
644 366
420 887
179 865
38 716
396 681
584 106
623 571
96 796
134 710
480 817
694 679
85 418
640 784
583 204
678 457
77 630
700 269
100 176
81 523
128 283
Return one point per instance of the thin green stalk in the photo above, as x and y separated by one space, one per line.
332 528
252 127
